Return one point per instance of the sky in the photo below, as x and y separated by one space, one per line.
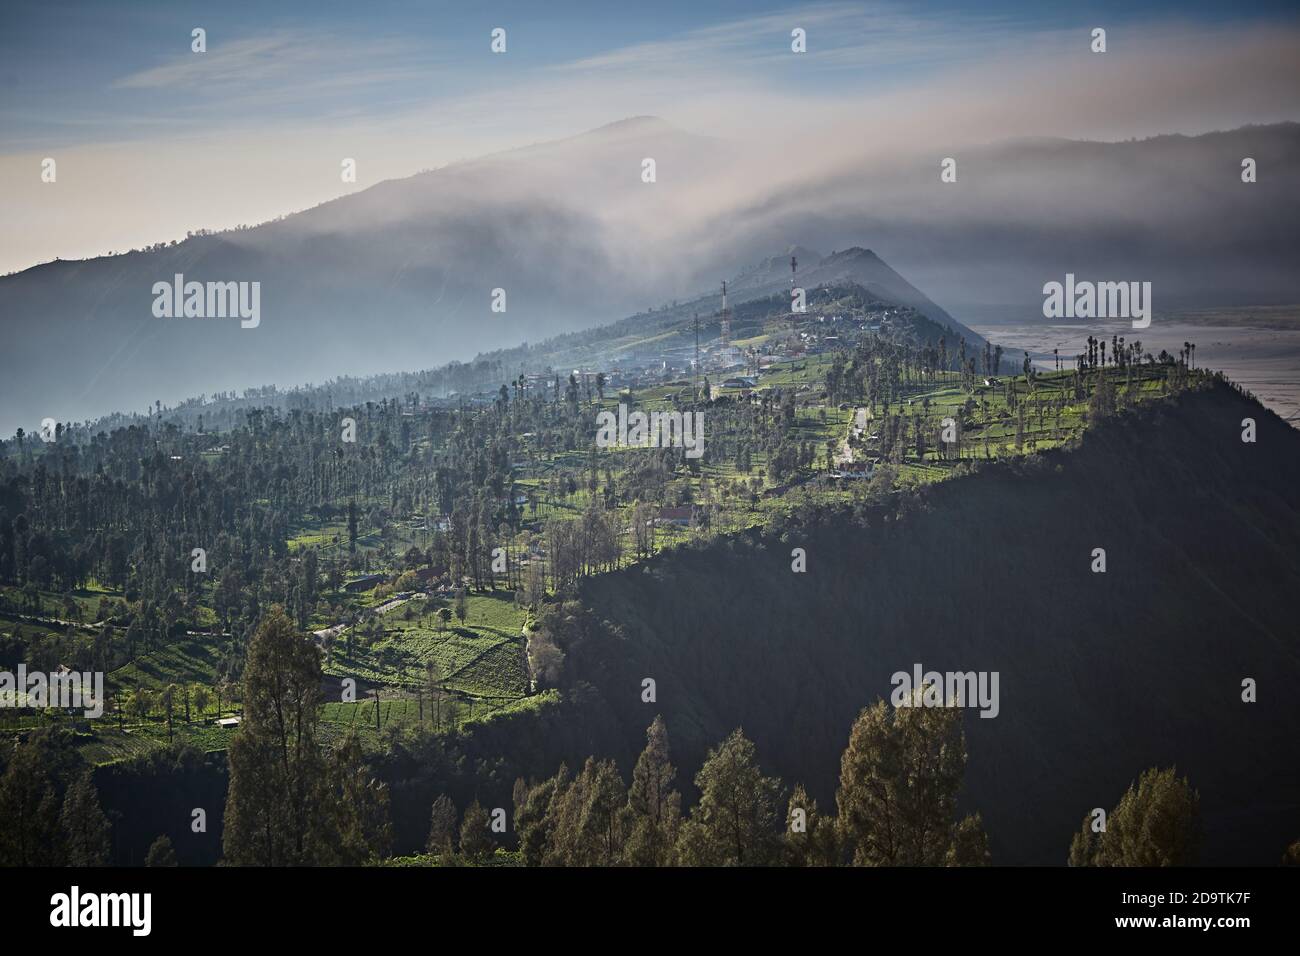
152 140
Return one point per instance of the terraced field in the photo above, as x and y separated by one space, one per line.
482 656
189 661
338 719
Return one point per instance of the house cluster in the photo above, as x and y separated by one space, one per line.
855 469
677 517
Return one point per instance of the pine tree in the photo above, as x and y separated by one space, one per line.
161 853
1292 855
736 821
899 778
654 805
476 842
442 827
85 828
605 817
31 834
587 818
535 820
361 804
274 811
1156 823
810 838
970 844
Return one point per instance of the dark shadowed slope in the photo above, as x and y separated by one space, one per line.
1101 675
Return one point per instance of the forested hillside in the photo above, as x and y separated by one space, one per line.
1102 674
487 592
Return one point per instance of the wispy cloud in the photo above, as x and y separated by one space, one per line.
285 63
261 122
838 34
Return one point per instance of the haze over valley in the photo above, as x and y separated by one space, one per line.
401 275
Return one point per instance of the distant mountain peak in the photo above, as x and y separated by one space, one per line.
779 265
633 124
853 252
855 264
804 254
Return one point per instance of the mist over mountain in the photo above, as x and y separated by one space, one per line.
398 276
1172 210
401 275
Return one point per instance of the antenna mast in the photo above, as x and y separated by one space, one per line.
726 318
794 265
696 385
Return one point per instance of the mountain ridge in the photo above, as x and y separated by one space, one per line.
402 274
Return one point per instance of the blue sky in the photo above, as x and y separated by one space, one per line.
80 72
152 140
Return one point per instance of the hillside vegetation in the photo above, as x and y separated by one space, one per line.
1102 674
